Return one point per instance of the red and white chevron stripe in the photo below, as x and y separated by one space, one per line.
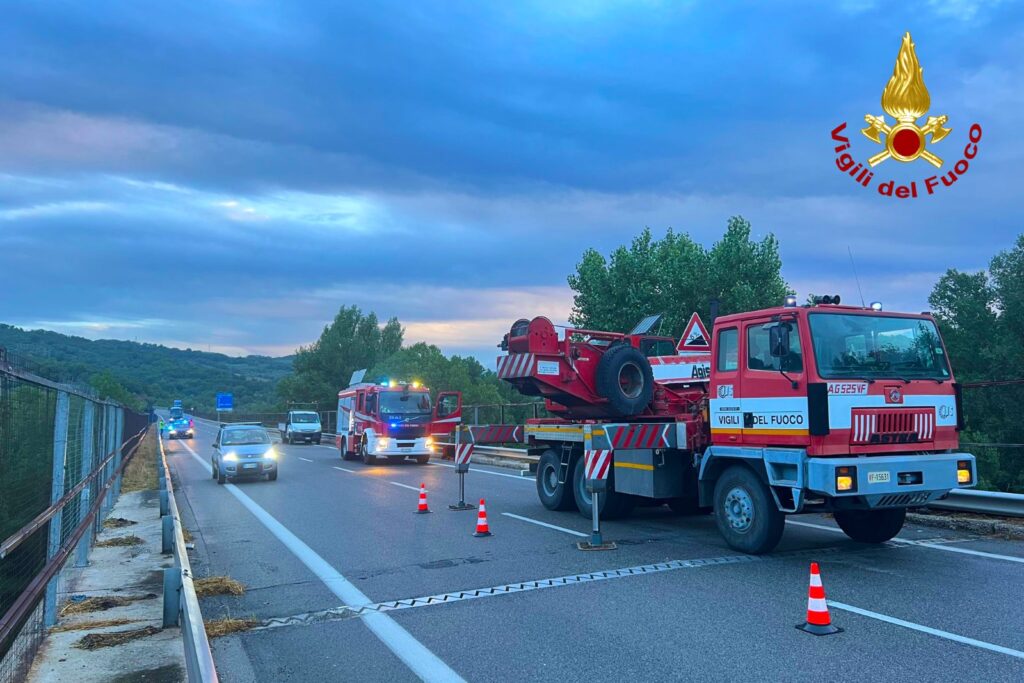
463 453
597 464
516 365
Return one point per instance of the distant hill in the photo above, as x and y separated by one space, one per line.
152 372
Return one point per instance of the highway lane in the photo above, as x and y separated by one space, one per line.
718 620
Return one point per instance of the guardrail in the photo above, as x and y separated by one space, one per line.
181 605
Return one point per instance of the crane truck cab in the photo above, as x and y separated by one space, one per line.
392 420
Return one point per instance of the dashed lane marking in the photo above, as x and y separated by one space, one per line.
414 654
925 544
306 459
343 469
928 629
545 524
404 486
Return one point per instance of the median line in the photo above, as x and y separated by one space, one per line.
414 654
545 524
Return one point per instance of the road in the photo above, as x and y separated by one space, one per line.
935 605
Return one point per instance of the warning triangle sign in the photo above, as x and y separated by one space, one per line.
695 336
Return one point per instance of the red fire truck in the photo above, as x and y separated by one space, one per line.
826 407
393 420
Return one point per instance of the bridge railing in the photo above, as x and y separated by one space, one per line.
62 455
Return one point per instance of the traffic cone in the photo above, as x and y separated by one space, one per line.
481 521
818 621
423 509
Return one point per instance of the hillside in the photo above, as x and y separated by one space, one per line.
153 372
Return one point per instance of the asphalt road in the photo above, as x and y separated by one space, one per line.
936 605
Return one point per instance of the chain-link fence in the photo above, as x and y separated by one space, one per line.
61 455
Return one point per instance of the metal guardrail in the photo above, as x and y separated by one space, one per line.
181 605
983 502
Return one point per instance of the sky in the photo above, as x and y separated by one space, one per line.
225 175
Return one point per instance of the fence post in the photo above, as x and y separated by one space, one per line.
88 448
60 447
119 438
476 415
501 414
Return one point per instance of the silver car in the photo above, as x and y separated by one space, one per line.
243 450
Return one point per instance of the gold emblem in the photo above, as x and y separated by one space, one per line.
906 99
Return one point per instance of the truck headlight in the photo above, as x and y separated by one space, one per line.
382 444
963 472
846 479
231 457
429 443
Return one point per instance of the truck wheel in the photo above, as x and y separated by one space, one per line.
871 526
625 378
364 453
612 505
745 512
553 496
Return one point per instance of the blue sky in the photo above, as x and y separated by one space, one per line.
225 175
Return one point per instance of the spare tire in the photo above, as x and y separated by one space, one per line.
624 377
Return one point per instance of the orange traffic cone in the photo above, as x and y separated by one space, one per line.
818 621
481 521
423 509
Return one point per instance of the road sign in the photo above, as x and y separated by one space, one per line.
695 336
463 453
597 464
225 402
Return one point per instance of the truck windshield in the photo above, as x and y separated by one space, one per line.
305 418
412 406
875 347
176 413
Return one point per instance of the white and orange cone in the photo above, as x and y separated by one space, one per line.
423 509
482 529
818 621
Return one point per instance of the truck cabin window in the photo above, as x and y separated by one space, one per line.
728 350
759 350
876 347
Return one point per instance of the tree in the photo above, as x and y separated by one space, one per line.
676 276
981 316
107 386
353 341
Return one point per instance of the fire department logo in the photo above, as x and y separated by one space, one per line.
906 99
893 395
904 138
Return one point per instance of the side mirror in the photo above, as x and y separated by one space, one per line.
778 340
216 446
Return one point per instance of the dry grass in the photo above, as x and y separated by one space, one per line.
119 541
140 474
228 625
89 625
117 522
187 535
101 603
218 585
95 641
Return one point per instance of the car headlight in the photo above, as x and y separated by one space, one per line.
272 454
191 431
231 457
382 444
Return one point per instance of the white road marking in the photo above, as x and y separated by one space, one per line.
928 629
404 486
306 459
497 474
424 663
344 469
544 524
922 544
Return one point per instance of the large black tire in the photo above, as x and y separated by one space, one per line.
220 476
553 496
745 512
272 476
612 505
364 453
625 378
871 526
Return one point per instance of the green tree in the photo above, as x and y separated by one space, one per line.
351 342
676 276
981 316
107 386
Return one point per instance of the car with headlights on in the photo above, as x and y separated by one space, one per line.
243 450
181 428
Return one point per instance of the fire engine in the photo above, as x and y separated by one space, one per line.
819 408
393 420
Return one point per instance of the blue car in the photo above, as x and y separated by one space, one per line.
181 428
243 450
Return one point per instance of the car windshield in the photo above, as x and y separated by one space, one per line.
241 437
411 406
305 418
870 347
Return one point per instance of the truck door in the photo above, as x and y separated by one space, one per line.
726 416
447 412
773 388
